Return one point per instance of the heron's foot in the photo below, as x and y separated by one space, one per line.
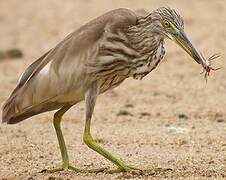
72 168
125 168
138 171
61 168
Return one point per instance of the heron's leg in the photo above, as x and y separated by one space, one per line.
90 99
56 122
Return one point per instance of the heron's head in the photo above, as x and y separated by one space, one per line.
170 24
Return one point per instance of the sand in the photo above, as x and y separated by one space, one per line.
172 120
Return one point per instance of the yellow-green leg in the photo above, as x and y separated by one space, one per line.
90 99
91 143
56 122
66 165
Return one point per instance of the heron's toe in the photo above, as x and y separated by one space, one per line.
52 170
129 169
61 168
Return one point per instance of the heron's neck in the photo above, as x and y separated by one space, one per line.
142 38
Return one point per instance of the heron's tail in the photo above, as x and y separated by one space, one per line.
9 114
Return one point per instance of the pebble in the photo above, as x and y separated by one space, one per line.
30 178
145 114
220 120
183 117
14 53
124 113
129 105
177 130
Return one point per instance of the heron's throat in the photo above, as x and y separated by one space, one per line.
143 38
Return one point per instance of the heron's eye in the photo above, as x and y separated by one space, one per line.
166 24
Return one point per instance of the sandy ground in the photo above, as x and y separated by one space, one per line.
174 121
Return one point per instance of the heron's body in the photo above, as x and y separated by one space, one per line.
64 74
97 57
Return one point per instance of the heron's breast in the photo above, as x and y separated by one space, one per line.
150 63
160 52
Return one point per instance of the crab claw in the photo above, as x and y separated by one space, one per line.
206 64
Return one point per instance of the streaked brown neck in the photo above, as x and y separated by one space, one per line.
142 38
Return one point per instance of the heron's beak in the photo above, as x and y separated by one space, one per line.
182 40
